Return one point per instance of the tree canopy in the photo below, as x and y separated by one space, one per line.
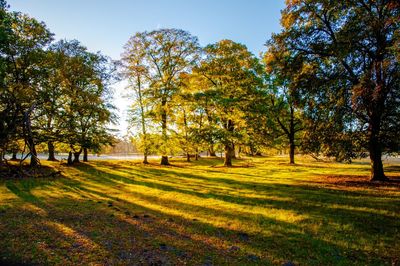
50 91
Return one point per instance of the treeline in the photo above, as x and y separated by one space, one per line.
328 85
51 92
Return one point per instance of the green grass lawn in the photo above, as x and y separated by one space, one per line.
261 212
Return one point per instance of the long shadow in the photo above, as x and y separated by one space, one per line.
110 242
269 222
112 228
315 202
283 238
297 192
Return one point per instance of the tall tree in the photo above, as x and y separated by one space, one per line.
355 43
24 53
49 119
166 54
232 73
138 80
284 73
87 110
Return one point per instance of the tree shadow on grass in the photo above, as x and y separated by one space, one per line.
321 204
299 192
101 226
99 231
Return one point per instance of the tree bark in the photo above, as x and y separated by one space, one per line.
229 146
29 137
145 159
228 155
187 157
164 157
375 119
164 160
375 150
34 159
85 155
292 133
1 157
69 161
291 151
212 151
50 147
76 155
14 156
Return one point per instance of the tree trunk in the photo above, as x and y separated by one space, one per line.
76 156
291 151
143 119
291 134
34 159
85 154
212 151
228 155
29 137
70 162
164 157
233 151
145 159
1 157
50 147
375 151
229 146
196 157
164 160
187 157
14 156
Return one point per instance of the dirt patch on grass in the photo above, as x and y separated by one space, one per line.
14 171
359 181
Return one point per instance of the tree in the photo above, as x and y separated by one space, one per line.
166 54
8 118
24 53
355 44
232 74
197 98
285 73
189 118
137 76
49 116
86 110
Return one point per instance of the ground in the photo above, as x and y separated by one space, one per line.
261 212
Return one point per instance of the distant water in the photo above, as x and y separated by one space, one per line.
92 157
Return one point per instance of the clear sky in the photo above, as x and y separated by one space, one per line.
107 25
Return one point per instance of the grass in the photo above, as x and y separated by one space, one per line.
263 212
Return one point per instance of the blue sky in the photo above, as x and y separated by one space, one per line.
107 25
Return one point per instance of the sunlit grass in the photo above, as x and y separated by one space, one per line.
264 211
